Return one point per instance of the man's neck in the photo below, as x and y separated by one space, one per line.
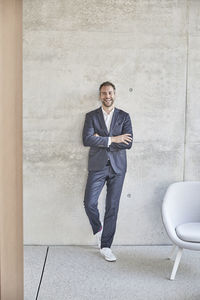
108 109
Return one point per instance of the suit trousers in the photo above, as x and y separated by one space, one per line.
94 186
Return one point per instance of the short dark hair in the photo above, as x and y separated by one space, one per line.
107 83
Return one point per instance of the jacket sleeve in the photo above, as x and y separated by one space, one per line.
127 128
88 135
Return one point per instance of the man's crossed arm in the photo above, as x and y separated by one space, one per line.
92 139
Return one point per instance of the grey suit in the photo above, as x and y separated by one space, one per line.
105 164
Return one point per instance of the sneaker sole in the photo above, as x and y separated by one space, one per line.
107 259
110 260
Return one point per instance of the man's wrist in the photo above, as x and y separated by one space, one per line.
113 139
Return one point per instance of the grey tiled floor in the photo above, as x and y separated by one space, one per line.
79 272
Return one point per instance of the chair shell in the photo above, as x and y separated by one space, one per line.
181 205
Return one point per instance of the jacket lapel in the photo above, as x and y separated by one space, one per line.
114 120
101 120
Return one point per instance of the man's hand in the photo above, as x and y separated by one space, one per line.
124 138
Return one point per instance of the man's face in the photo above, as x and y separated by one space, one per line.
107 95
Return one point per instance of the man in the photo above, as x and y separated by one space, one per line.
108 133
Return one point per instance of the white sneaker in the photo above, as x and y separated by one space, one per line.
108 255
98 237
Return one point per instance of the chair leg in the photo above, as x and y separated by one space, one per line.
176 263
172 253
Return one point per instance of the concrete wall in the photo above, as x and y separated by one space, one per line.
70 47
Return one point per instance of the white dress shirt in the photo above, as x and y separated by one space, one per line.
108 120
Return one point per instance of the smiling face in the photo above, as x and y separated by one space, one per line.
107 96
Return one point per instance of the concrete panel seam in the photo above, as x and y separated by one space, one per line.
186 90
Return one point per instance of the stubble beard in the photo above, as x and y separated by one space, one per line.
108 104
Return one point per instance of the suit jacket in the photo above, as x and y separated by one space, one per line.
99 152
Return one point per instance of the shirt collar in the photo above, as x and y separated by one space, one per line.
105 113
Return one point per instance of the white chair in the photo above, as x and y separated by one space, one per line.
181 218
